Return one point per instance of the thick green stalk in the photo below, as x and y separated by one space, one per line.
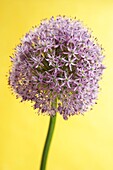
48 138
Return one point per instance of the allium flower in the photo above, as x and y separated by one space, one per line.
58 59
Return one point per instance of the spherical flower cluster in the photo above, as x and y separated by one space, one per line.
58 60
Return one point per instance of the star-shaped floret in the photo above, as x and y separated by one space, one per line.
69 62
66 80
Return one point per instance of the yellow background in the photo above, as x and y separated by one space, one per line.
82 142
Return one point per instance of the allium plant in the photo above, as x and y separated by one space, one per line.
58 61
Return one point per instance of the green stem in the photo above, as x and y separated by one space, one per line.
48 138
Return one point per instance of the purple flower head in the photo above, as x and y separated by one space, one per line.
58 59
